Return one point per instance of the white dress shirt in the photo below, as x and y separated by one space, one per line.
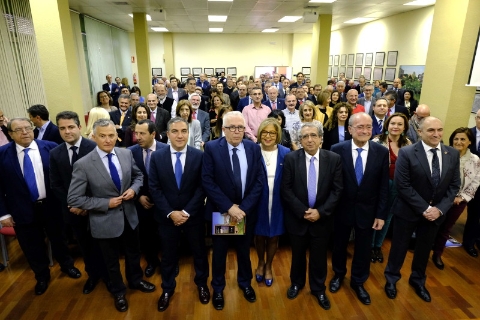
315 163
104 156
364 154
70 151
41 130
430 156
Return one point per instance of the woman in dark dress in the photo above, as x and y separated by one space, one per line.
286 141
139 112
336 128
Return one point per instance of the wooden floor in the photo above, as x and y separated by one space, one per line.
455 294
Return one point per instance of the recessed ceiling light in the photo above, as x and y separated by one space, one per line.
148 17
270 30
322 1
159 29
420 3
217 18
359 20
290 19
215 29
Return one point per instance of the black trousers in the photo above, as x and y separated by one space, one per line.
471 234
149 239
111 251
170 237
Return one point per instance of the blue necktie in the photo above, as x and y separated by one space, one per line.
114 172
147 160
29 175
312 183
435 168
380 125
359 166
178 170
74 154
237 176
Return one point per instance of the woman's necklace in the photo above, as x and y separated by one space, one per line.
267 159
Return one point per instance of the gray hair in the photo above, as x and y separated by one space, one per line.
176 120
317 125
273 88
132 95
124 96
194 95
355 116
102 123
232 114
340 82
9 124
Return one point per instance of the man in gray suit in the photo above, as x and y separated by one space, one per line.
105 183
200 115
367 101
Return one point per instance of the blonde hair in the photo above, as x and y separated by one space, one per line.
95 114
273 122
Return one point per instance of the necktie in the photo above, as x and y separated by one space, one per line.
389 112
114 172
194 115
152 116
122 117
435 168
300 101
29 175
359 166
178 169
478 147
274 105
380 125
237 176
147 160
312 183
74 154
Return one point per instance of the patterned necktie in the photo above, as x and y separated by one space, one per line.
152 116
147 160
237 176
178 169
122 117
274 105
359 166
312 183
380 125
194 115
29 175
435 168
74 154
114 172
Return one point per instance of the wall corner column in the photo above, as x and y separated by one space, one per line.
321 34
142 50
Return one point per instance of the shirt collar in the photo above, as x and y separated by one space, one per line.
76 144
45 125
239 147
102 153
33 145
184 150
427 147
365 147
316 155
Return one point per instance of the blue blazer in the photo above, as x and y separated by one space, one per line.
280 103
115 93
362 204
165 193
473 145
14 194
243 103
51 133
276 226
218 181
376 130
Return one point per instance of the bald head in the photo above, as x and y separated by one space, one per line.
352 97
422 111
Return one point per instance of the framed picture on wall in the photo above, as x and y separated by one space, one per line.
392 58
349 73
367 72
390 74
335 71
358 72
351 58
343 60
377 74
306 71
336 60
196 71
218 70
184 71
208 71
157 72
368 59
232 71
330 60
183 79
359 59
329 72
342 70
379 59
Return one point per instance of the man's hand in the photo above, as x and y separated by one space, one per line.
432 214
115 202
145 202
236 213
178 217
378 224
127 195
311 215
8 222
78 211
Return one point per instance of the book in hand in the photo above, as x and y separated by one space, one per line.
224 225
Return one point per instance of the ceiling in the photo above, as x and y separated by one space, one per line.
244 16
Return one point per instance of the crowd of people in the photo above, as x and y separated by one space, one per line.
279 156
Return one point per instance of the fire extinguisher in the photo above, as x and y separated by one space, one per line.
135 79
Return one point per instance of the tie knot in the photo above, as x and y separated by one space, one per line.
234 150
148 150
74 148
26 150
433 150
178 154
110 156
359 150
312 159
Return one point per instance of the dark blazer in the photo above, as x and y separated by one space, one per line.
165 193
167 104
181 93
5 132
51 133
115 116
473 145
243 103
402 109
413 106
361 205
203 102
343 96
330 137
161 121
375 128
312 98
218 181
280 103
204 120
295 194
115 93
414 185
61 174
14 193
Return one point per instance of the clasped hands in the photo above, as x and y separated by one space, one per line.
432 213
115 202
236 213
179 217
311 215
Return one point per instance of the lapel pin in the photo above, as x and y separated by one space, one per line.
446 152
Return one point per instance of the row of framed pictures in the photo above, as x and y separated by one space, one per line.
358 59
208 71
355 72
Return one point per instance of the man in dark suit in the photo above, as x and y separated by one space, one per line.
379 116
277 84
105 182
27 202
62 158
397 83
391 97
232 176
311 189
427 177
363 203
200 115
112 88
383 89
367 101
165 102
176 186
300 81
203 83
44 129
190 87
342 93
4 136
273 101
471 234
174 92
122 117
142 151
237 95
159 116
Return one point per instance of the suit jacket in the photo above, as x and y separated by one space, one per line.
205 85
295 193
14 193
167 104
161 121
181 93
376 130
414 184
312 98
280 104
203 102
204 120
402 109
413 106
379 95
330 137
243 103
51 133
92 188
362 204
61 174
473 145
218 181
362 102
343 96
165 193
115 116
281 92
115 93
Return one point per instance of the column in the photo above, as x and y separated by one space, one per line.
58 60
143 52
449 59
320 49
168 54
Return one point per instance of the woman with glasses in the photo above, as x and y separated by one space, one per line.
105 101
217 131
286 141
307 114
270 211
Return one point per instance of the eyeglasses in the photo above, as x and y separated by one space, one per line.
361 128
269 133
26 129
311 135
233 128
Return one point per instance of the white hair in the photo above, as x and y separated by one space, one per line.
232 114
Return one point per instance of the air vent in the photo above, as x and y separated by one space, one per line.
120 3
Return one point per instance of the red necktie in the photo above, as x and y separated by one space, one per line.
300 101
194 115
